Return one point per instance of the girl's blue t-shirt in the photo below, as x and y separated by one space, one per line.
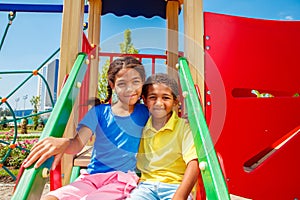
117 138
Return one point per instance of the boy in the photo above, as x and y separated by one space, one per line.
167 157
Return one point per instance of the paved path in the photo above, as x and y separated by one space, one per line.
6 190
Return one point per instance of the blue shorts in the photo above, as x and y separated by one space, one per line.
154 191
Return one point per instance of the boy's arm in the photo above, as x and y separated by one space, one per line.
56 147
188 182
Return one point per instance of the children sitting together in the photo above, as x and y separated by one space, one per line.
131 137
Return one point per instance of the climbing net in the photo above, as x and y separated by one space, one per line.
12 140
11 17
11 137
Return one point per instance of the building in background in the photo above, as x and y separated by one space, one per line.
50 73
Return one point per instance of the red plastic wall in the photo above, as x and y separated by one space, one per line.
84 90
242 54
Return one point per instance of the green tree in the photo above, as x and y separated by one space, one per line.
3 123
5 111
102 81
126 47
35 101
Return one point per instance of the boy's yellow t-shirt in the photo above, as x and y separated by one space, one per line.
164 154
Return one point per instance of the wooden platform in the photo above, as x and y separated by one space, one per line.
84 157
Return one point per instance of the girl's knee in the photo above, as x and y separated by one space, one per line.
49 197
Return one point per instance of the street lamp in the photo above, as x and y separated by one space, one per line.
17 100
24 98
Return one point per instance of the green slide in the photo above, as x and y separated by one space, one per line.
213 179
32 181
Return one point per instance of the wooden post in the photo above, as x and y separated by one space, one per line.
172 37
193 41
95 9
194 52
71 38
94 24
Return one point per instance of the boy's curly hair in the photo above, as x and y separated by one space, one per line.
161 78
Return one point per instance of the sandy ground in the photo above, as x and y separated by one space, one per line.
7 186
6 190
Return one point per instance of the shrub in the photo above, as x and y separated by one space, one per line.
17 155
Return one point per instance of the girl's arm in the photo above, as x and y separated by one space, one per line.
188 182
56 147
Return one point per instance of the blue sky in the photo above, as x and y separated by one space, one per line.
33 37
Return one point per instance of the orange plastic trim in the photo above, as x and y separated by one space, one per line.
12 146
35 72
3 100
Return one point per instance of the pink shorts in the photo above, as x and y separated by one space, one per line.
111 185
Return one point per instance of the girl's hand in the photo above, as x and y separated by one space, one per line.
46 148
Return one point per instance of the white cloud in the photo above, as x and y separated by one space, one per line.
288 17
285 16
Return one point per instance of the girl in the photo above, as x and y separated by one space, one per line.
167 157
118 127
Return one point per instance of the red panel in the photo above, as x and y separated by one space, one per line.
244 54
86 47
84 90
55 178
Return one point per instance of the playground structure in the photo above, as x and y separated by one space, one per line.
255 139
4 100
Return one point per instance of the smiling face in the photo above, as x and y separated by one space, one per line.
128 86
160 101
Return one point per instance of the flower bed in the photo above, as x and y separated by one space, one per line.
19 149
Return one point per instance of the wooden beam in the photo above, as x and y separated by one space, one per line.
95 7
193 41
172 37
71 39
71 36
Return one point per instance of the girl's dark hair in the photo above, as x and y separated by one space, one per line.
115 66
161 78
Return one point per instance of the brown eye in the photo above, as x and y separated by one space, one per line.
152 97
167 97
137 82
121 84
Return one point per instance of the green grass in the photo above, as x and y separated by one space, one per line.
29 130
30 133
22 136
4 173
